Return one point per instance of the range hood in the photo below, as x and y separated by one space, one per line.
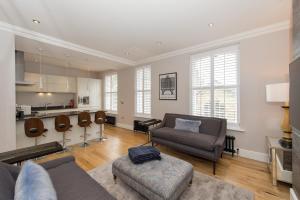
20 69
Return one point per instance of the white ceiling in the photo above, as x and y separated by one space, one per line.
135 26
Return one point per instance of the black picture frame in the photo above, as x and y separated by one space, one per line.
168 83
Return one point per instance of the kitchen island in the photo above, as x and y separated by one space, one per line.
48 117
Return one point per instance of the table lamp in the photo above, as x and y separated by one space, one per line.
279 92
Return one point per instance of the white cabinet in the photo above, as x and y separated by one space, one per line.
50 83
39 86
87 87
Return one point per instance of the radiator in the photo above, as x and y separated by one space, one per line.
229 144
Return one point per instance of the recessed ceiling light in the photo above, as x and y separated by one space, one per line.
36 21
159 43
210 25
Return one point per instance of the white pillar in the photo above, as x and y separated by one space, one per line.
7 92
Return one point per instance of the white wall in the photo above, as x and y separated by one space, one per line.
264 59
7 91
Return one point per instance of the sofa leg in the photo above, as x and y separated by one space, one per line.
115 179
214 167
191 182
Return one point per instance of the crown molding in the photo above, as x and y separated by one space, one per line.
197 48
62 43
220 42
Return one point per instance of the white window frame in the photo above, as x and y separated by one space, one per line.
231 126
105 93
143 114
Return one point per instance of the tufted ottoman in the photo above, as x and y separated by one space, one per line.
156 180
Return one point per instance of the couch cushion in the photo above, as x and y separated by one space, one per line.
34 183
71 182
197 140
7 184
187 125
208 125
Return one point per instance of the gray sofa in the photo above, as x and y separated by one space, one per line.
208 143
69 180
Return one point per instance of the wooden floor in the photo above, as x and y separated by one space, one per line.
241 172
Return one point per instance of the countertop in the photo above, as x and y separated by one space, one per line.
54 113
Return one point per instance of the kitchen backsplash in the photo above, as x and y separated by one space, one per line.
40 99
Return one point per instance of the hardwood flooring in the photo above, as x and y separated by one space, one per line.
238 171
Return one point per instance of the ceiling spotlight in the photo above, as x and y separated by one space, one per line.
36 21
159 43
210 25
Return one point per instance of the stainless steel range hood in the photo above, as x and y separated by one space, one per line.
20 69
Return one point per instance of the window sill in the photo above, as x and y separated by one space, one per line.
235 128
111 113
142 116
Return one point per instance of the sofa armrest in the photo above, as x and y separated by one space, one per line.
156 127
220 142
57 162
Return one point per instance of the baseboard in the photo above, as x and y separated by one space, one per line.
254 155
125 126
293 195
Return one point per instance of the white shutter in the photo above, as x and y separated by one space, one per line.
143 91
111 92
215 86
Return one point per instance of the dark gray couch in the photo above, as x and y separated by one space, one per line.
208 143
69 180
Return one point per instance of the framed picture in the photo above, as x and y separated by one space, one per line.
168 86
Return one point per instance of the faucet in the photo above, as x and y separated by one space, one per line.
46 105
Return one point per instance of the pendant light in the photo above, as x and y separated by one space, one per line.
66 71
41 78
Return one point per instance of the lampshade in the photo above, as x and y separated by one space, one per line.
278 92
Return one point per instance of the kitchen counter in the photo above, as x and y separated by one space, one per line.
54 113
48 118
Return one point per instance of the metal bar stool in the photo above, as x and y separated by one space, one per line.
84 120
34 127
62 125
100 118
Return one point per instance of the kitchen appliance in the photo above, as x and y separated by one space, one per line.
26 109
86 100
295 123
20 69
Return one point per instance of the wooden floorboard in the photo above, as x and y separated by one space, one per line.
238 171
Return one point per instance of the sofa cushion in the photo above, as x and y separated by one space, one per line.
187 125
34 183
71 182
208 125
197 140
7 184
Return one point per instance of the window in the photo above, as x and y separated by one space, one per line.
215 84
111 92
143 91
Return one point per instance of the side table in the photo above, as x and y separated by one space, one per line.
279 163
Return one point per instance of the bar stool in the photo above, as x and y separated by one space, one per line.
62 125
84 120
34 127
100 118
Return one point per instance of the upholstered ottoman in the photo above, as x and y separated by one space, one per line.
163 179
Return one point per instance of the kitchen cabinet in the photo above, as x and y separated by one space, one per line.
91 88
34 78
50 83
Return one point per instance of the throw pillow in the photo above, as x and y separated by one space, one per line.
187 125
34 183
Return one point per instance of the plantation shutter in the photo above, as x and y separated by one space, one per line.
111 92
215 84
143 90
